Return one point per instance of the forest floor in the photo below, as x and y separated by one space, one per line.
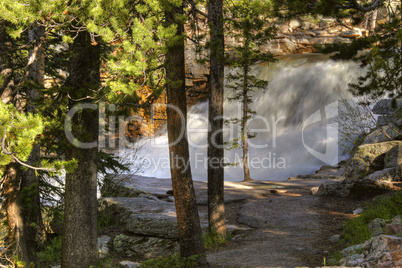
278 224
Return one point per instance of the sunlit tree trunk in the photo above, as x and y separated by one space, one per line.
6 65
216 205
190 235
17 245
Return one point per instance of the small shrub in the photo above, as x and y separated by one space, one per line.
51 254
356 230
104 220
213 240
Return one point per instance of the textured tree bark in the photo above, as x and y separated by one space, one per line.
190 234
34 230
216 205
244 129
21 204
6 65
79 246
16 238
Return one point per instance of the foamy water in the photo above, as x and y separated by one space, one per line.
295 123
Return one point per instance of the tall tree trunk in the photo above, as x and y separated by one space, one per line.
244 128
34 231
6 65
216 205
16 238
190 234
80 248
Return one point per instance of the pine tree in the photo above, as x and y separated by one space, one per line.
190 234
80 246
248 22
19 131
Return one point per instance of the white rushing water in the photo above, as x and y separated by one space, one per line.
294 137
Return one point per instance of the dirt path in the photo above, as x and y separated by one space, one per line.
288 227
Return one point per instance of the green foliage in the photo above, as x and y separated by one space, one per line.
105 220
29 193
382 57
356 230
247 21
19 131
213 240
334 259
107 263
171 261
51 255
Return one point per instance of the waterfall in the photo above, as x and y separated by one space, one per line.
295 122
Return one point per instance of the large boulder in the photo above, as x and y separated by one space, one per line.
376 226
148 247
381 134
327 173
382 251
393 157
361 188
369 158
385 107
144 215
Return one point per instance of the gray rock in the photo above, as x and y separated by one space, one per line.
393 229
385 174
383 251
352 250
102 245
352 261
148 247
144 216
393 157
335 238
356 188
129 264
358 211
367 159
397 220
378 135
149 224
384 106
326 173
376 226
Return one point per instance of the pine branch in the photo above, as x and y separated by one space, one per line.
6 152
196 10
